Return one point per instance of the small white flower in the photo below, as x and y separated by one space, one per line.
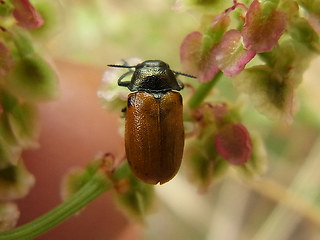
109 92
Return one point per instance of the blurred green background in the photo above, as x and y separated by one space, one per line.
100 32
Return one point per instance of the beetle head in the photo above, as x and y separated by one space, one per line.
153 76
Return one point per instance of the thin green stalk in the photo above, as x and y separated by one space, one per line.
97 185
202 91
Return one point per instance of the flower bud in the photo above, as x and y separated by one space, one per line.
33 79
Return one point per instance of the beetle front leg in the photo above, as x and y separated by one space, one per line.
124 83
124 111
181 85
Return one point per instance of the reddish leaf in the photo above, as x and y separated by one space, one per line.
26 15
231 54
190 53
262 29
198 51
234 144
6 60
203 66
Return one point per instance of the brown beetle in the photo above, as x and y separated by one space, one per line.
154 132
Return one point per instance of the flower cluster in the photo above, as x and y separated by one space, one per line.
278 39
25 79
218 141
269 29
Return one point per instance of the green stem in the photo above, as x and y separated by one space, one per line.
202 91
97 185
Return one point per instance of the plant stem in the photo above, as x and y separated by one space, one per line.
202 91
97 185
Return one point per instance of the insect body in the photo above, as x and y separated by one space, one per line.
154 132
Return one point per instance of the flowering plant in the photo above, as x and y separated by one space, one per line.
243 53
25 79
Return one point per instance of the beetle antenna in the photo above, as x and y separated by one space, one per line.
120 66
184 74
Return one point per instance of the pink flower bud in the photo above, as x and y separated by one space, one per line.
233 143
26 15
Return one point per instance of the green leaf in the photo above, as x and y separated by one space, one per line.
290 9
22 41
77 178
33 79
135 197
5 8
8 154
268 6
213 29
301 31
7 100
271 93
204 165
312 6
297 60
9 214
18 122
256 164
15 181
24 125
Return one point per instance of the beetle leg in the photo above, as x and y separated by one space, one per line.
181 85
124 83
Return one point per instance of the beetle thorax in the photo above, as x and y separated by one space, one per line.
153 79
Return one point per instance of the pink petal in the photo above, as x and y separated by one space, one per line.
198 51
190 53
314 21
233 143
221 22
231 54
26 15
6 60
260 32
209 67
194 62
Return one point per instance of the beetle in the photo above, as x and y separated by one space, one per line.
154 131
